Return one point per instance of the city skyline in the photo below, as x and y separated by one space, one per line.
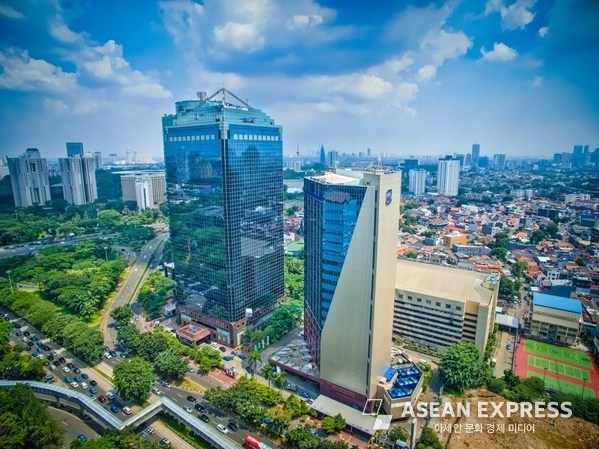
412 80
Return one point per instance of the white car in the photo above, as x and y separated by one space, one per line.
83 386
107 355
222 428
188 410
74 384
66 369
40 356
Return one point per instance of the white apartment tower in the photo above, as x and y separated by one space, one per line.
78 179
417 181
448 177
29 178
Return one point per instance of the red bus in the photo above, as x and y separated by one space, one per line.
250 442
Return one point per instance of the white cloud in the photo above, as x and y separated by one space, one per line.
21 72
9 12
61 32
537 81
444 45
239 36
426 73
54 105
543 31
397 65
500 53
106 63
516 15
304 21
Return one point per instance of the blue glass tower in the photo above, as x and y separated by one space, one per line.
225 193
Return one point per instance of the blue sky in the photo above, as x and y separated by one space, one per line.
399 77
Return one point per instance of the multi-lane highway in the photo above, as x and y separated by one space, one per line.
130 286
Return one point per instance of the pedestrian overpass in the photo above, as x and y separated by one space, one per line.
92 408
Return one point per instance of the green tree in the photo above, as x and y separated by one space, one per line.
151 344
26 423
510 379
253 358
268 371
122 315
461 367
496 385
281 380
398 433
133 379
429 439
170 365
295 406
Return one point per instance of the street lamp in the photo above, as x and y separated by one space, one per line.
10 281
584 383
4 372
544 374
106 253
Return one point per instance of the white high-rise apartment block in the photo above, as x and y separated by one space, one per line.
417 182
29 178
448 177
78 179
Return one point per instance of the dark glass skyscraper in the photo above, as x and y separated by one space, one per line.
224 174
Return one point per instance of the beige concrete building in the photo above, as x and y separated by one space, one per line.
148 189
436 306
555 318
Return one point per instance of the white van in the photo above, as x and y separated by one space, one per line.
127 410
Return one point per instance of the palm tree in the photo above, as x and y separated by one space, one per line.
268 371
281 380
253 358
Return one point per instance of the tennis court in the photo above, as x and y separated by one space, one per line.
559 368
565 387
555 352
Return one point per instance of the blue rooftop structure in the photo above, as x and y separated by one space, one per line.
389 374
406 382
557 302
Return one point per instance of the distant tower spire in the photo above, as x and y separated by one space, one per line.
297 151
379 163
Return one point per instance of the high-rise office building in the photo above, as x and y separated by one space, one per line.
350 254
78 179
448 177
499 162
224 174
29 178
475 155
410 164
323 156
417 182
75 149
98 160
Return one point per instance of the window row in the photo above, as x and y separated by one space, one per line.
428 301
254 137
192 138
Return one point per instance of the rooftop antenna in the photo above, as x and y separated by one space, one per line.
297 151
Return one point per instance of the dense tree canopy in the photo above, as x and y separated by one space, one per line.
25 423
461 367
155 292
133 379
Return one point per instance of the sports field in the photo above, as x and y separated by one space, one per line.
563 369
556 352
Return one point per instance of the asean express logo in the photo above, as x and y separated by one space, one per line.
463 410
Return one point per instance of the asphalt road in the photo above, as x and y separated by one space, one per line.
130 286
27 248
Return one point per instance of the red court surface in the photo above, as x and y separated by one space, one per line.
522 368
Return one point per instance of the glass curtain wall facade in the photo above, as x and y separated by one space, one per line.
333 213
224 174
